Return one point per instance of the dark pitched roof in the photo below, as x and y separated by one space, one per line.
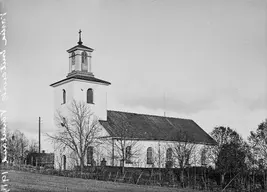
81 47
82 77
151 127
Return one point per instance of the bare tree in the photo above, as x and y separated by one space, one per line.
58 159
258 150
159 156
33 146
125 146
222 135
17 146
226 138
77 131
183 150
258 143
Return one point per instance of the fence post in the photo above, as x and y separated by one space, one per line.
124 176
109 176
173 180
130 177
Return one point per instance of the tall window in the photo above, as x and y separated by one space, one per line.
90 155
128 154
169 162
149 155
203 157
169 154
84 62
64 96
90 95
73 61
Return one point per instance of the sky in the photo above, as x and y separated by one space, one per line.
206 58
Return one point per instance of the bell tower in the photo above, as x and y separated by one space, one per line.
80 59
80 83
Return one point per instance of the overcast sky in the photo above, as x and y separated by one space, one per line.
208 57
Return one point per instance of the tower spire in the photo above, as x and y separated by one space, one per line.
80 39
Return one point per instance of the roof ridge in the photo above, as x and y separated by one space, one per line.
149 115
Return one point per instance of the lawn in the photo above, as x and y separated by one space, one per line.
25 181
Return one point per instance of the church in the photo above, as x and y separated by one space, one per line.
141 140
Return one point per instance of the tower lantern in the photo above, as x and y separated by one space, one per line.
80 59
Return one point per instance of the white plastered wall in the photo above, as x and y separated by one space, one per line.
159 154
77 89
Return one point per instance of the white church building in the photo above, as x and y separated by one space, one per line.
152 139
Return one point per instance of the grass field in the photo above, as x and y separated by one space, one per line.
25 181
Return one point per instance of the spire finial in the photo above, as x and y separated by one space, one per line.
80 41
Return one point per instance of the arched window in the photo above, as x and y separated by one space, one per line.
84 62
90 96
73 61
203 157
64 96
149 155
169 154
128 154
90 155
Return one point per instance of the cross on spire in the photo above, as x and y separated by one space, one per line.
80 41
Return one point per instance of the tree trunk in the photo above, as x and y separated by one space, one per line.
123 168
81 164
182 178
222 179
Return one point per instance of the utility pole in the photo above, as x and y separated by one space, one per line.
39 134
164 104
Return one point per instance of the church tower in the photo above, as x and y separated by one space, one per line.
80 83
